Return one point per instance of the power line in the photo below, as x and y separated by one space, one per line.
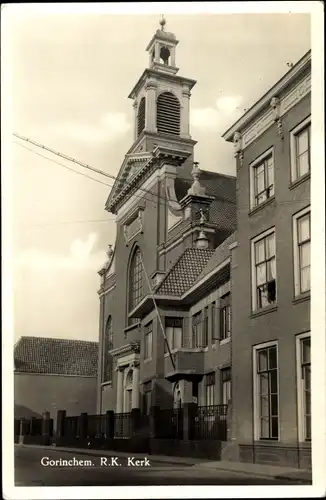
165 199
62 165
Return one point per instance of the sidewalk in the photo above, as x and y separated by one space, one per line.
302 476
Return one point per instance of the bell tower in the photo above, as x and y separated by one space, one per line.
161 98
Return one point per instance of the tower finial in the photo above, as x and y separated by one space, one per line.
162 22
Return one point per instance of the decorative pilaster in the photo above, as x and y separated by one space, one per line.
150 120
135 106
185 113
276 107
119 402
238 147
135 386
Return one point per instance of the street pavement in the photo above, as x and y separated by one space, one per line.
110 470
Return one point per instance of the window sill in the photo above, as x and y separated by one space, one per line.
297 182
131 327
225 341
104 384
261 312
303 297
261 206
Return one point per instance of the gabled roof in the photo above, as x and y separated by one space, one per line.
184 272
56 356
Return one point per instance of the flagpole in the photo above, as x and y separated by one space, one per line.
157 312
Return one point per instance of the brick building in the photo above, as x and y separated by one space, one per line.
175 230
54 374
271 281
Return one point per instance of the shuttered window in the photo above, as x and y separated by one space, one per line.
141 116
168 114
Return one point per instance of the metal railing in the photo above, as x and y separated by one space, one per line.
71 426
96 426
122 425
210 422
170 423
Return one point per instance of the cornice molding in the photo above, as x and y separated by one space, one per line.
118 352
251 125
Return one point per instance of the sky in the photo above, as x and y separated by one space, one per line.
71 76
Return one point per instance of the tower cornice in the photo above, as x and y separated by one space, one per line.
150 73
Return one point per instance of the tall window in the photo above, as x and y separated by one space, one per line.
147 389
199 333
266 393
264 270
301 251
108 345
304 387
213 317
226 385
136 279
225 317
262 179
210 389
173 332
148 341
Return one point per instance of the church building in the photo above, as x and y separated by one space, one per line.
165 295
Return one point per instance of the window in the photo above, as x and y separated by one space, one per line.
304 387
141 116
262 179
168 114
225 317
199 332
173 332
226 385
264 270
214 332
300 150
108 345
209 389
266 392
148 341
136 279
301 251
147 389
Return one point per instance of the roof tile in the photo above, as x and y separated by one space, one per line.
56 356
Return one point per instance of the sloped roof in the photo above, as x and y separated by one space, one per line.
222 211
185 271
56 356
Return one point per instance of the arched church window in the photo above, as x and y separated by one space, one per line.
135 279
141 116
108 345
168 114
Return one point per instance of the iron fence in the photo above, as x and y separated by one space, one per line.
96 426
122 425
170 424
70 427
210 422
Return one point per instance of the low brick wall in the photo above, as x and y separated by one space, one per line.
41 440
132 445
209 449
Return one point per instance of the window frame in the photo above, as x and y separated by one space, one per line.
228 370
210 381
262 159
254 301
147 389
148 332
135 271
296 251
225 305
293 149
107 376
173 319
256 392
197 330
300 389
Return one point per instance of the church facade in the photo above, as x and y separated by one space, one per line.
165 314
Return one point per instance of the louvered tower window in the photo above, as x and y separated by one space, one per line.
141 116
168 114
